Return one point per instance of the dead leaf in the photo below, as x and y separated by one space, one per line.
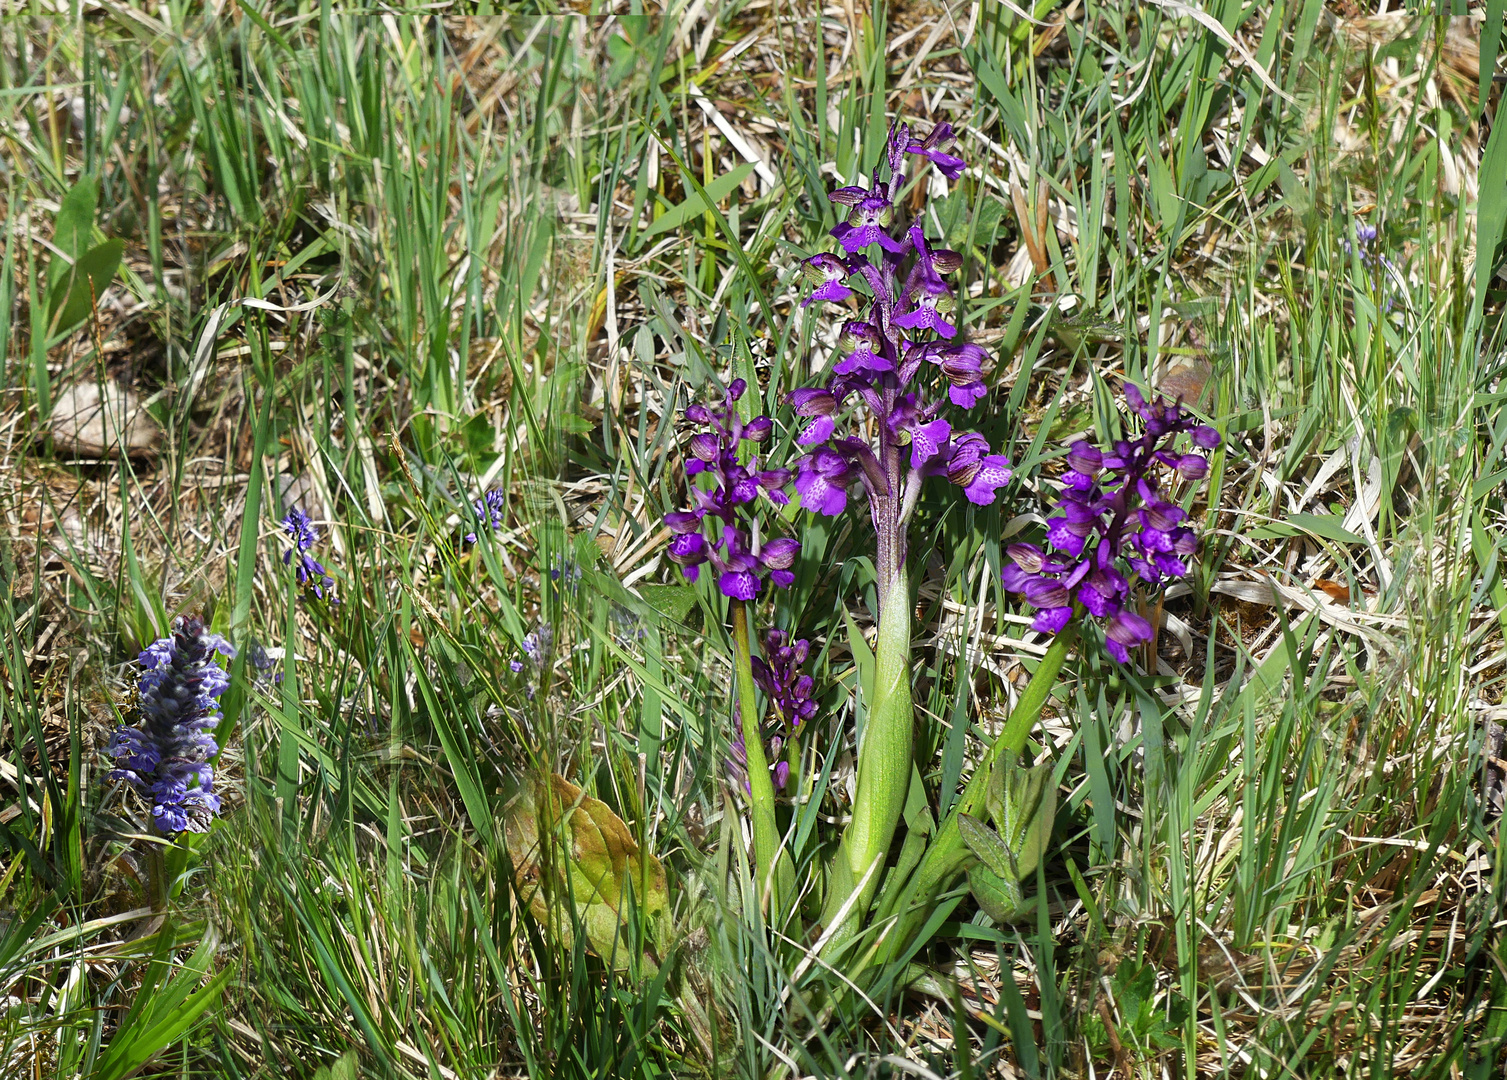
567 847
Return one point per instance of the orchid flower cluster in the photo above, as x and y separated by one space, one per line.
899 437
734 551
1114 525
166 756
885 419
780 673
904 332
309 571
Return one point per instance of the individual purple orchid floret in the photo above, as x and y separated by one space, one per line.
166 756
827 272
882 357
1114 526
309 571
733 547
934 148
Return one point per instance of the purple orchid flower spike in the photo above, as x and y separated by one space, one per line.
882 357
881 423
1114 525
780 674
732 548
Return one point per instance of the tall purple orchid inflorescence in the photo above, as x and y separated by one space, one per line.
885 387
1113 525
721 530
733 548
904 333
166 757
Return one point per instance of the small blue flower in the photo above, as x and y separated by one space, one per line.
304 535
489 511
264 666
565 572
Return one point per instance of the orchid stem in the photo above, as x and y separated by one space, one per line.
884 772
948 855
775 870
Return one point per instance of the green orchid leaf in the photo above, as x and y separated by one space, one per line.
674 602
74 223
80 287
998 896
985 843
1023 803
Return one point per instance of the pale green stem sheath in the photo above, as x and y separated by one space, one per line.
767 850
948 856
884 768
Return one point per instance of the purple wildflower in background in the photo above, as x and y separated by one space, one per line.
538 647
906 333
1369 247
1113 525
733 548
166 757
565 572
309 571
779 673
488 512
264 667
1365 236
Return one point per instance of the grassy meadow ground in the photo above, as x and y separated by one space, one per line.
376 264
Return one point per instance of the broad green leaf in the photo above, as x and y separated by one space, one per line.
74 224
75 293
999 897
343 1069
551 821
985 843
1026 810
684 211
674 602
